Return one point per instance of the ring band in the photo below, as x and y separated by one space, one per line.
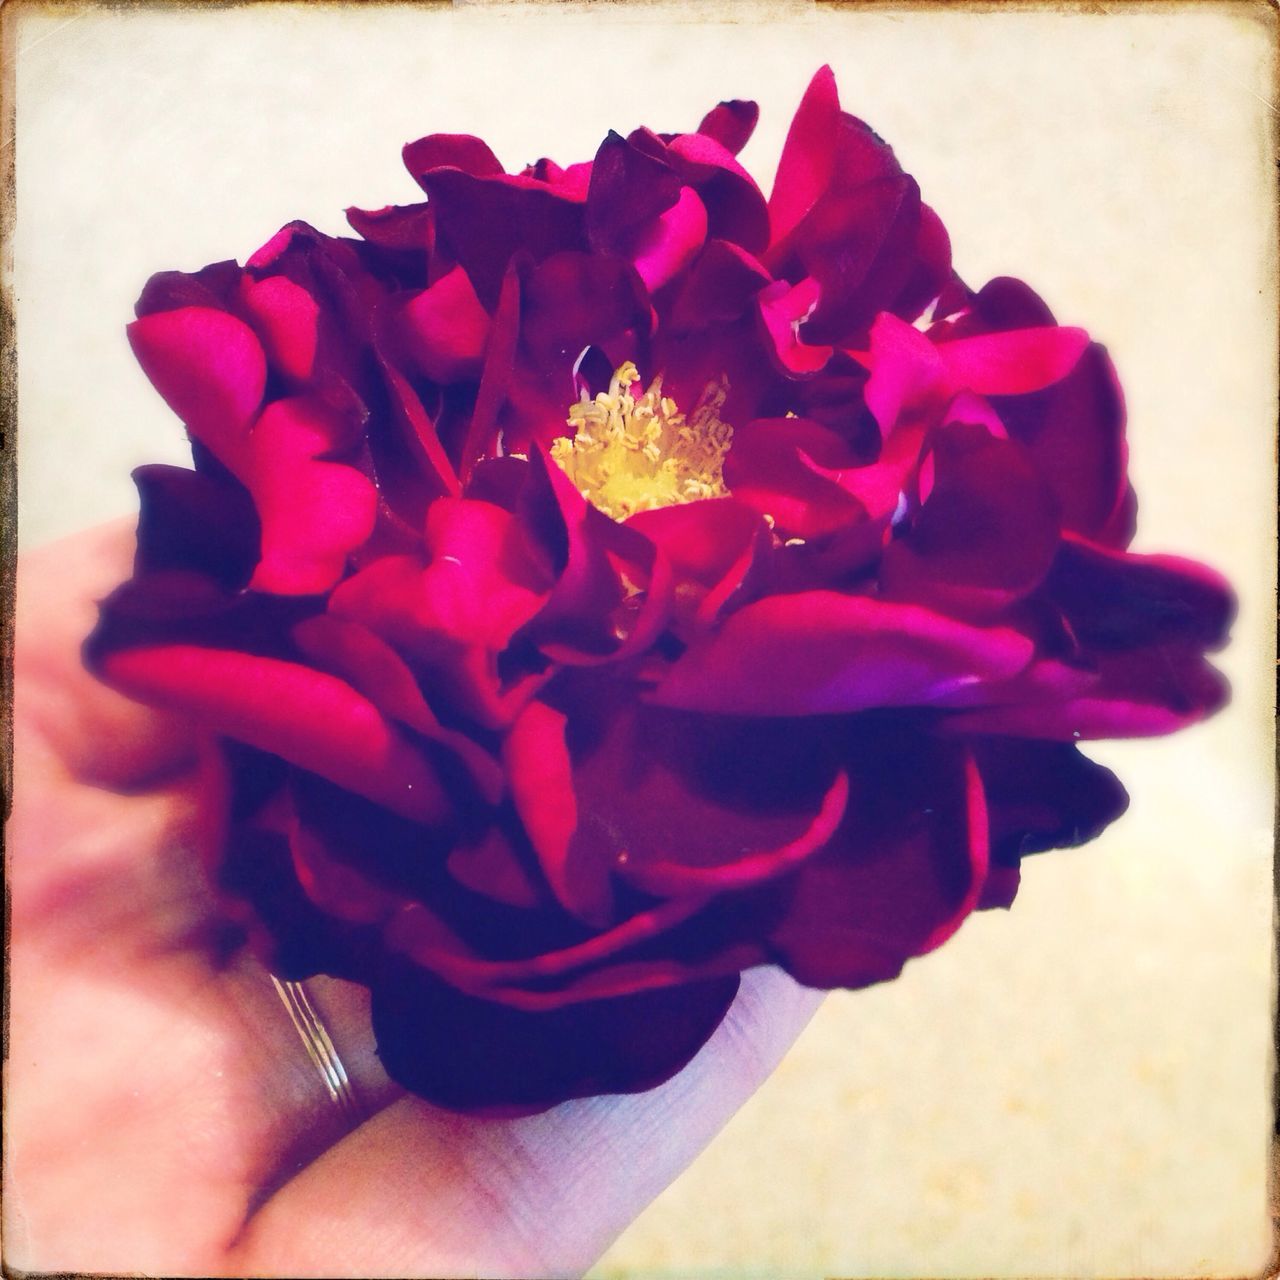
319 1047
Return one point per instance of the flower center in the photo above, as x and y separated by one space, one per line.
628 454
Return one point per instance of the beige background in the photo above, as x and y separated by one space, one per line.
1079 1087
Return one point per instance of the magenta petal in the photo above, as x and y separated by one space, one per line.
808 156
306 717
211 370
445 329
313 513
907 373
1014 362
288 321
783 309
669 245
541 774
822 652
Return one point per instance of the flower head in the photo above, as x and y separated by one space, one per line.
605 579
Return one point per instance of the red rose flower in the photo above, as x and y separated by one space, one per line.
606 579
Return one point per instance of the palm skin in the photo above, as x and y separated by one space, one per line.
161 1113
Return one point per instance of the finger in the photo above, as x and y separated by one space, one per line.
418 1190
98 735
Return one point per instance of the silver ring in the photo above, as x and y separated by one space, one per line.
315 1039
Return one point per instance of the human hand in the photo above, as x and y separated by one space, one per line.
162 1114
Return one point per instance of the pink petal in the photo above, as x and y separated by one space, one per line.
211 370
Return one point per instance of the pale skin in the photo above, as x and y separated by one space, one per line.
161 1113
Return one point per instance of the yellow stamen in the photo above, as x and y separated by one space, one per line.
628 454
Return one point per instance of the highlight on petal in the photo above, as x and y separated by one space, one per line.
823 652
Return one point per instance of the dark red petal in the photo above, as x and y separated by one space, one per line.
216 286
211 370
986 534
933 266
449 151
335 887
484 222
495 379
628 190
490 867
1044 795
198 521
822 652
568 303
313 513
731 123
1138 694
422 935
808 156
900 877
713 548
506 1059
1075 430
718 287
684 805
768 468
1115 600
860 247
306 717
